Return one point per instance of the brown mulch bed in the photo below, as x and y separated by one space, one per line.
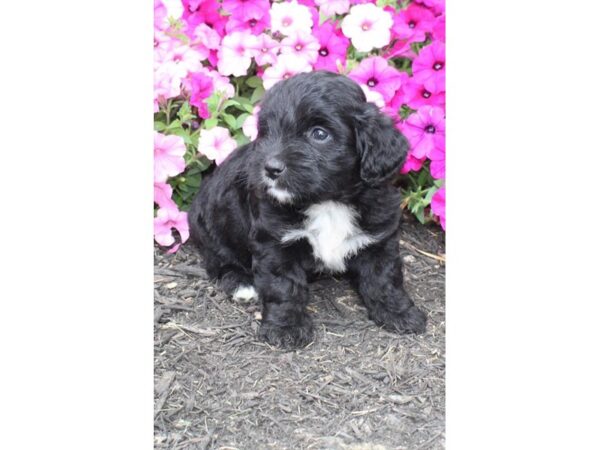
356 387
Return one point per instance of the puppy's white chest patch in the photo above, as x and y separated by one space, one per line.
330 228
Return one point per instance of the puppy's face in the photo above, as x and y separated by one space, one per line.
318 138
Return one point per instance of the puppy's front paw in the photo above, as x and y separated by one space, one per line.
412 320
288 336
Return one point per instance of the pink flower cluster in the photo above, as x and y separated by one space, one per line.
275 40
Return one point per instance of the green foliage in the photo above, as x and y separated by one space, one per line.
418 190
178 117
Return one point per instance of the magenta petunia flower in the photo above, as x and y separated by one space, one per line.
266 49
196 12
425 130
429 67
438 163
285 67
254 25
400 49
168 156
303 45
437 6
415 95
378 75
438 205
412 163
413 23
201 89
216 144
235 54
333 47
439 28
368 27
165 221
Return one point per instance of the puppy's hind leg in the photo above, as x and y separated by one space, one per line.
238 282
222 263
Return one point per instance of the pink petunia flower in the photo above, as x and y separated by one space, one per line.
378 75
288 17
160 15
303 45
333 47
165 221
165 85
168 156
163 193
205 39
415 95
438 205
266 50
201 89
250 126
426 130
235 55
373 96
216 144
178 60
429 67
285 67
413 23
368 27
331 7
246 9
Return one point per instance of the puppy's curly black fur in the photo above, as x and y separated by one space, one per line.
312 193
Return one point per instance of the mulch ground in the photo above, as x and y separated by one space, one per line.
356 387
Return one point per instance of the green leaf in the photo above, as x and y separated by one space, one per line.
185 112
210 123
420 214
257 95
183 134
159 126
241 139
240 120
203 163
194 181
254 82
213 102
230 121
230 102
176 124
430 193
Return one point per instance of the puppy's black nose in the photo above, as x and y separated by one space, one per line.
274 168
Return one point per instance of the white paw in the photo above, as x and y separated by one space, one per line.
245 293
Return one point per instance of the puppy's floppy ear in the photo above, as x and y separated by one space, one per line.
381 147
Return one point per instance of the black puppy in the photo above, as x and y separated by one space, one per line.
312 193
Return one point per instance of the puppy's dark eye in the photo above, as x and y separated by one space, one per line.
319 134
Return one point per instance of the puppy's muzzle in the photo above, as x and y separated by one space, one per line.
274 168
